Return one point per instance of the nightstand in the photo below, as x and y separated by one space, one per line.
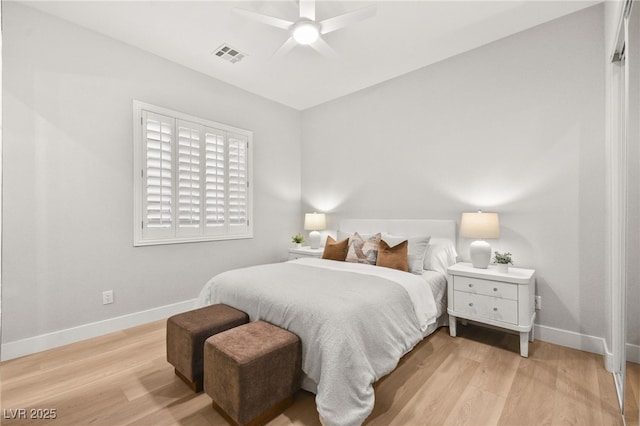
297 253
490 297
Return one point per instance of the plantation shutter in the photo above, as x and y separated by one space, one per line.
238 183
215 181
192 178
157 184
188 178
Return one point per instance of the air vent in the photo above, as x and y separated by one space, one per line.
229 53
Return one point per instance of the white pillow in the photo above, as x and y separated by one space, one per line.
441 254
343 235
415 252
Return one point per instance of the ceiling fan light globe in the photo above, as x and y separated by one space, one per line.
305 32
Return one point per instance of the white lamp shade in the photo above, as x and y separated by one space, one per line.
315 221
480 225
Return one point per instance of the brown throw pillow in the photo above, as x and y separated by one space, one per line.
393 257
335 250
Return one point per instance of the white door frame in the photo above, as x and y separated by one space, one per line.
618 201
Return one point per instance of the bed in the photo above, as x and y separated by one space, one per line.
355 320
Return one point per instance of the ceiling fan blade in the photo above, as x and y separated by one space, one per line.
341 21
321 46
265 19
308 9
285 48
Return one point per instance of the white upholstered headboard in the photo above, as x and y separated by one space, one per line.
408 227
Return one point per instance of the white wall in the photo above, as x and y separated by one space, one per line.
516 127
68 177
0 186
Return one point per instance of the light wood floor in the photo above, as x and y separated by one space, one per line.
632 395
477 378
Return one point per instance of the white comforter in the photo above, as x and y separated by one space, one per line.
355 322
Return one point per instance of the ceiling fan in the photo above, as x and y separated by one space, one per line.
307 30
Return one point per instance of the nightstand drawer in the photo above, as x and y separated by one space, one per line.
302 252
486 287
477 305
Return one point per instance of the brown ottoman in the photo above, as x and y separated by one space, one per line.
187 332
252 371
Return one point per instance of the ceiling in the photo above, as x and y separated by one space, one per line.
402 37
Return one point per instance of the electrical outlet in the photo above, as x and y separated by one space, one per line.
538 302
107 297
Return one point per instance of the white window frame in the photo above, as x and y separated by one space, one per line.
144 235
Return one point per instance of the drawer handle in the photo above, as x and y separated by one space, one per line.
495 289
470 285
470 303
495 309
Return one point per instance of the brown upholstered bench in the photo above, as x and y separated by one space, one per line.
251 372
186 333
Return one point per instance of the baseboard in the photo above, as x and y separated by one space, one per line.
633 353
571 339
43 342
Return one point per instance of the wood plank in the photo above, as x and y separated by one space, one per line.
476 406
497 372
632 394
394 391
530 399
609 405
433 402
479 377
302 412
577 396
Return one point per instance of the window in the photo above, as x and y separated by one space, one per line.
192 178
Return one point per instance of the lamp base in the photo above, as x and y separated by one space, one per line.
480 253
314 239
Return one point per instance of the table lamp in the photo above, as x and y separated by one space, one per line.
314 222
482 226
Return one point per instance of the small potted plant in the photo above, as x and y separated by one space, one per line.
502 261
298 239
